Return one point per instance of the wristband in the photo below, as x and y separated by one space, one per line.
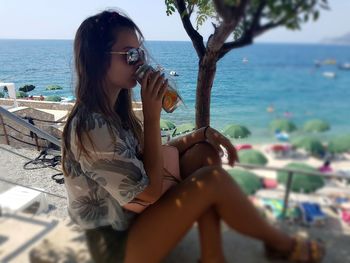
205 132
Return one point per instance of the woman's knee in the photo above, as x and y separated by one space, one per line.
206 152
214 176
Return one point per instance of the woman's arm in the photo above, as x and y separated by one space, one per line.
209 135
185 142
153 88
153 162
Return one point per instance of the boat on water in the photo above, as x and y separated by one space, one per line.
345 66
329 74
173 73
329 62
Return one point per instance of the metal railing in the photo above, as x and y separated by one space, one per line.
290 171
30 127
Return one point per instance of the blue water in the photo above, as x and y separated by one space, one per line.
282 75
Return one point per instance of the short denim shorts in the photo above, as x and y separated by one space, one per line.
106 244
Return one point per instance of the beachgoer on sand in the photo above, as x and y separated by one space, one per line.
326 167
111 159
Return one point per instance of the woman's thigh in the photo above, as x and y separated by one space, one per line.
161 226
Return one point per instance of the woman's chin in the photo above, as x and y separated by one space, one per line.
133 84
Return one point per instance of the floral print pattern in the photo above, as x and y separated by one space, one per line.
99 185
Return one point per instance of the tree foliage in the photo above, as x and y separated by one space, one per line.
235 24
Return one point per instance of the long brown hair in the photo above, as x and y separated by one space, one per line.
94 38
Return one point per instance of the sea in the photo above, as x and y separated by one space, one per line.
253 85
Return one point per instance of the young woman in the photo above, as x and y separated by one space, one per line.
110 158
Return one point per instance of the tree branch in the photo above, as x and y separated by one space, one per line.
195 37
248 36
241 42
255 29
221 33
257 15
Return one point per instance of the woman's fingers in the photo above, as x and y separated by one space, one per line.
217 139
232 155
214 139
153 80
162 89
158 85
230 149
155 84
145 79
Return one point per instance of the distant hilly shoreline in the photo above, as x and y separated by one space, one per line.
342 40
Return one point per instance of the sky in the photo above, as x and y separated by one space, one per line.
45 19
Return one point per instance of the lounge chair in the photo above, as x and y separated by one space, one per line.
19 198
312 213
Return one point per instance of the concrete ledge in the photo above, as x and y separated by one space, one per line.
38 104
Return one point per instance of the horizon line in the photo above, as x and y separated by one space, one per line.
156 40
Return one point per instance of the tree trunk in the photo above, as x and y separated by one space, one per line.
206 74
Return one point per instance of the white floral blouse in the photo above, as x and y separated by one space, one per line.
99 185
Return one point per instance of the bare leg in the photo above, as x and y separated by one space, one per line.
200 155
161 226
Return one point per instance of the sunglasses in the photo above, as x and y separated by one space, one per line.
133 55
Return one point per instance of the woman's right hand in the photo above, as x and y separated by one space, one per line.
153 88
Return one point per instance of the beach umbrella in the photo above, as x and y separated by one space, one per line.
283 125
310 144
251 156
166 125
247 181
316 125
183 128
54 98
339 144
301 182
236 131
27 88
53 87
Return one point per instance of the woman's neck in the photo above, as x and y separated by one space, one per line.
113 96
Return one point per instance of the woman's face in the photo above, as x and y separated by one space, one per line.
120 75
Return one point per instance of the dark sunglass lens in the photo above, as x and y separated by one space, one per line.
133 56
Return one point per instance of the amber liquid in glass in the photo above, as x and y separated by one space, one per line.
171 100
